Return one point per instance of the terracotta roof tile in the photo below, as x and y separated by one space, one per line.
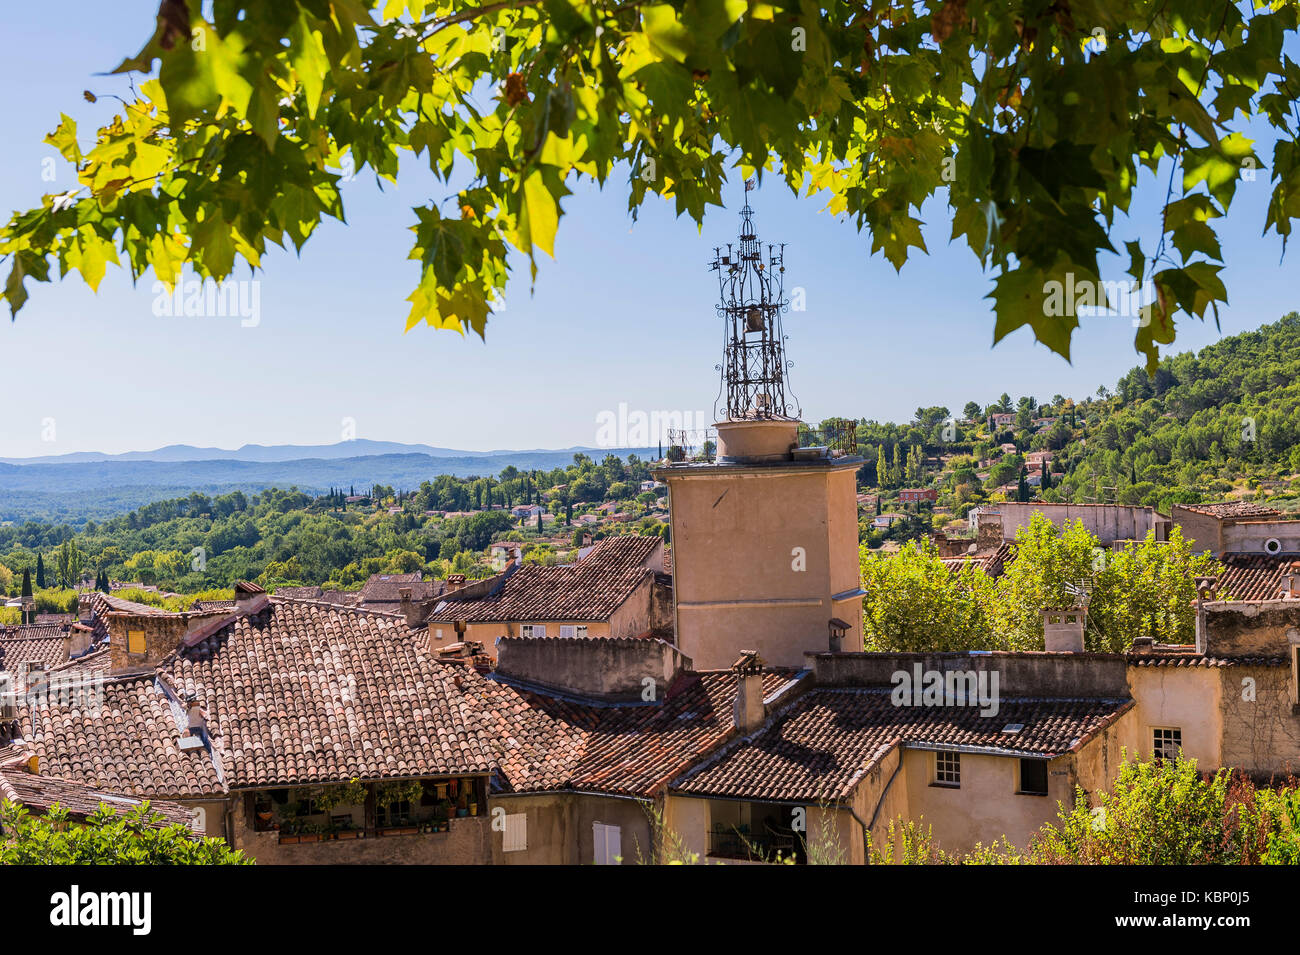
128 742
591 589
545 743
40 793
305 692
821 744
1250 576
1232 509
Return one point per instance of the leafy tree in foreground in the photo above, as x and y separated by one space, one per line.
1035 120
107 838
913 603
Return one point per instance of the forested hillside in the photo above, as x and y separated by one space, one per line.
1221 423
288 537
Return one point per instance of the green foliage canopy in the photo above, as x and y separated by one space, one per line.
1034 120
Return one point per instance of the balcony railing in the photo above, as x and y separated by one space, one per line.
770 845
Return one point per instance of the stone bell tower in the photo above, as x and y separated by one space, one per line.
765 535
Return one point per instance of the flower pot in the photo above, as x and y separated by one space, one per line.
289 840
462 813
348 834
473 809
309 837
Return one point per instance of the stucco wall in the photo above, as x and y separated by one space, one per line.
1109 522
549 827
986 806
738 539
1184 697
1201 529
1248 537
597 667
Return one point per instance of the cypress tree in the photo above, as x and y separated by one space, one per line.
40 571
27 582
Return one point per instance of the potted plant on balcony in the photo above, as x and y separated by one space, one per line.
289 832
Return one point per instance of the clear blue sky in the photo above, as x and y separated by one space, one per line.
624 313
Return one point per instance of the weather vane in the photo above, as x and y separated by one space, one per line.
751 303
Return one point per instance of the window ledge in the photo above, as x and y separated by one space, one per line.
937 785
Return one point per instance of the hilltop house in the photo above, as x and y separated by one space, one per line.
1237 527
617 589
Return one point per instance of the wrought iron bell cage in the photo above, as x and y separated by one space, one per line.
751 303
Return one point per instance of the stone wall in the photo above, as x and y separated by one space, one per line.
1261 731
1254 628
469 842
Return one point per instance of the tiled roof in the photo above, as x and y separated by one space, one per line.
1232 509
1191 659
28 631
102 604
305 692
32 649
820 746
39 793
545 743
205 605
130 743
1250 576
343 598
54 619
306 593
96 661
992 562
384 591
591 589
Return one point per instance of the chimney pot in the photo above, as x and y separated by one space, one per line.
748 712
1063 629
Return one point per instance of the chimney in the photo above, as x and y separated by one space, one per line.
1063 629
455 582
838 629
80 635
413 611
249 598
749 711
1291 580
67 642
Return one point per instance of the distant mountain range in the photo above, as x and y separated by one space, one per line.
359 447
74 488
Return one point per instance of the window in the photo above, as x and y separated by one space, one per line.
515 838
135 641
533 630
1166 742
581 630
947 769
609 843
568 631
1033 777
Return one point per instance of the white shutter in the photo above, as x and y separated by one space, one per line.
609 843
582 630
516 834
